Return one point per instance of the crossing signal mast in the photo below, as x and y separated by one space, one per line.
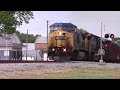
112 36
101 57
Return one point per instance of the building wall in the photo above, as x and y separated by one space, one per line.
32 54
31 46
41 46
2 55
11 53
4 48
5 54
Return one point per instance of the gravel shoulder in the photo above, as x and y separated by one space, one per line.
11 70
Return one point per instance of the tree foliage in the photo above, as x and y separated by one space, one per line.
9 20
23 36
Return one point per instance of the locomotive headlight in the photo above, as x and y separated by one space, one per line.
60 33
53 49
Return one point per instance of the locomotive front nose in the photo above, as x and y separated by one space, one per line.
60 41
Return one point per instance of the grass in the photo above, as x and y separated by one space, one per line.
90 73
86 74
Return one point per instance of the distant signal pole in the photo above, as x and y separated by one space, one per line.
47 40
26 45
101 58
6 47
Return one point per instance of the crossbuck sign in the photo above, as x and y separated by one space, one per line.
101 52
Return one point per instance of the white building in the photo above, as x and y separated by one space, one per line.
10 47
32 54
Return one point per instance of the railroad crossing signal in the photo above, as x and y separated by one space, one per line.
106 35
112 36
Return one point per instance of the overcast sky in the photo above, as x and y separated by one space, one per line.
88 20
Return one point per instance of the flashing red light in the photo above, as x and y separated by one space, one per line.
112 36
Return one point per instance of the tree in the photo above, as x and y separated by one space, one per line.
23 36
9 20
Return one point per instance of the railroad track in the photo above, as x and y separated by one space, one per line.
21 61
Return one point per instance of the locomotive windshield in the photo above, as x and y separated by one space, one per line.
60 37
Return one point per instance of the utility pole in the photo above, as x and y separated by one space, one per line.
26 45
47 40
6 46
101 58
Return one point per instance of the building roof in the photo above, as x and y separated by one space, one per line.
10 40
63 25
41 39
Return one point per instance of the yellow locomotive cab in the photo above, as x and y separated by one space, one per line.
60 38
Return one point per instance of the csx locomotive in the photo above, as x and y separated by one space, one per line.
67 42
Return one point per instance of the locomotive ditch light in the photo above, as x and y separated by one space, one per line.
53 49
64 49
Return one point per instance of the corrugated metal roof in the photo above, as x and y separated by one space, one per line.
63 25
41 39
